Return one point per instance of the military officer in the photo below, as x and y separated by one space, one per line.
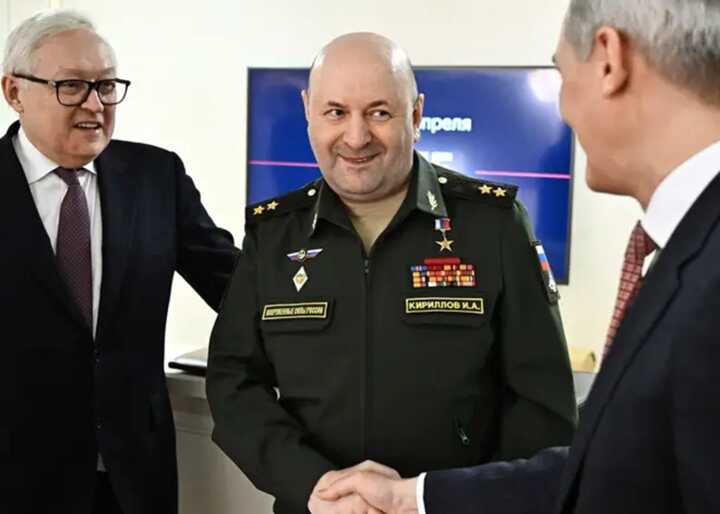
393 310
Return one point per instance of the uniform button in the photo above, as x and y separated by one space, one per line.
442 180
312 192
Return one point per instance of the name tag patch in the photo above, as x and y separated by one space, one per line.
437 304
307 310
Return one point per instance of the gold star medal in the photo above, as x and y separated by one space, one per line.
443 225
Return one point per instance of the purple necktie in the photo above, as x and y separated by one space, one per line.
73 244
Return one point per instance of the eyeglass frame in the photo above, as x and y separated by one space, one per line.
92 85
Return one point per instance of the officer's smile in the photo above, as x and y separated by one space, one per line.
358 160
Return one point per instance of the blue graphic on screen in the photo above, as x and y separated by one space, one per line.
496 124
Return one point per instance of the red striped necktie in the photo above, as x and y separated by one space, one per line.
639 247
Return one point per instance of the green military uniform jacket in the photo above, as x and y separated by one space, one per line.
323 356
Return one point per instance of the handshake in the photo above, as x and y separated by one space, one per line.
367 488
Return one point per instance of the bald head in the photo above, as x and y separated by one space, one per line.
373 52
363 112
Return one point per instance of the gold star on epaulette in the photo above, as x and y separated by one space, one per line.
485 189
500 192
272 205
258 210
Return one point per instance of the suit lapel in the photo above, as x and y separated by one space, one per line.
118 195
25 231
659 288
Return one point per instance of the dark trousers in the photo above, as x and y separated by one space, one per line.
105 501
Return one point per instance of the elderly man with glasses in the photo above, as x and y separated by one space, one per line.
92 231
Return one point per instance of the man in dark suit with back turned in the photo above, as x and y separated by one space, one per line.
92 231
640 87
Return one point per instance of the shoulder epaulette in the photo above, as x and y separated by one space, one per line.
493 193
292 201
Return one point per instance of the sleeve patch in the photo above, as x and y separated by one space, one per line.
551 287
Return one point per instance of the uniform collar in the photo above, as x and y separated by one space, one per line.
424 194
428 195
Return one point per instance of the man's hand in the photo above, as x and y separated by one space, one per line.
368 465
386 493
350 503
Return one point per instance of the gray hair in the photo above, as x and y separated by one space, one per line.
679 38
27 37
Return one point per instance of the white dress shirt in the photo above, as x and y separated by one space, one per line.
668 205
48 191
676 194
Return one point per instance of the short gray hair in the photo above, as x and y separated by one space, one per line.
27 37
679 38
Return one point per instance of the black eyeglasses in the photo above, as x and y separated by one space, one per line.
74 92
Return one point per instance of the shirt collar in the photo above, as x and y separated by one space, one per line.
35 164
424 194
676 194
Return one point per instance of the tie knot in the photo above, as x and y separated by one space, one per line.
641 245
70 177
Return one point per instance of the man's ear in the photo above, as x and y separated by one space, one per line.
417 115
418 110
611 55
306 103
11 91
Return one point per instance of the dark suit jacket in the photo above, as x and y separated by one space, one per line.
64 398
648 437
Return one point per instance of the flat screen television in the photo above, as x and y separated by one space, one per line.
500 124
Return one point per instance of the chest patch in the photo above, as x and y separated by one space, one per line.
307 310
444 304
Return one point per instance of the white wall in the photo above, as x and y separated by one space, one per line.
188 61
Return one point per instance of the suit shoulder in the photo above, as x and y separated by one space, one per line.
496 194
131 148
300 199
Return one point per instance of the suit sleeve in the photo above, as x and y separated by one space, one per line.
523 486
206 253
251 426
538 404
695 390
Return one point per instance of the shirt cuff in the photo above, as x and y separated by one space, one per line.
420 493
